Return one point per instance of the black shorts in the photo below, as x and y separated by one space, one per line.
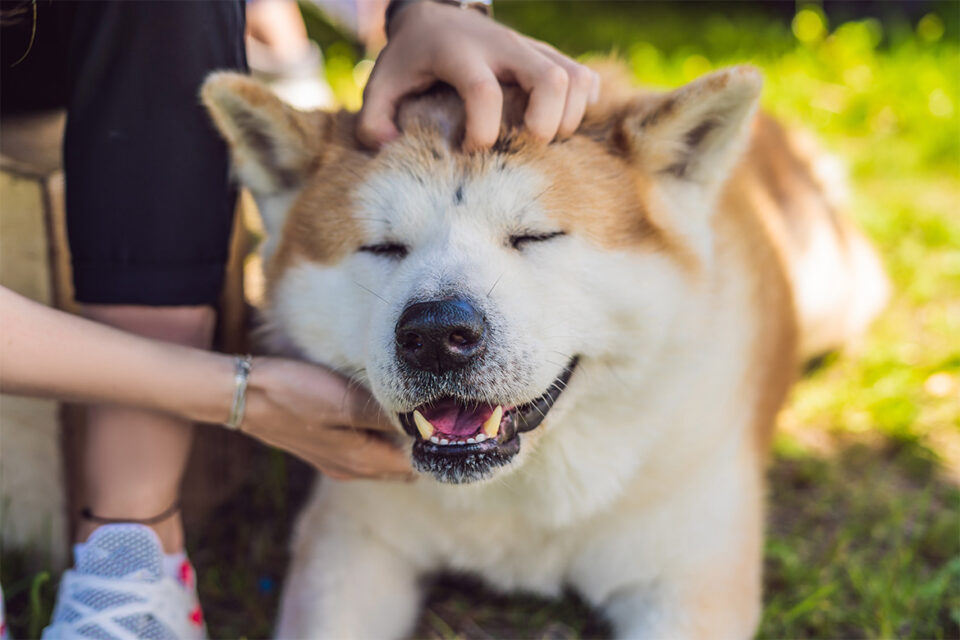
149 198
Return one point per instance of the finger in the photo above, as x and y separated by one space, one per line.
376 458
546 83
380 97
346 455
367 456
317 456
362 410
399 477
482 98
579 89
345 475
332 471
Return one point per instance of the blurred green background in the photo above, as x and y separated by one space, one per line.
864 509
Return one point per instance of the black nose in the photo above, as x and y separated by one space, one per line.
441 335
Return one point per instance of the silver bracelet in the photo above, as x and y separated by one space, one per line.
243 366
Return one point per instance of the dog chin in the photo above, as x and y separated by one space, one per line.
460 440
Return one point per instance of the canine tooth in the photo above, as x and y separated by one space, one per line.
423 425
480 437
492 425
471 441
435 440
444 441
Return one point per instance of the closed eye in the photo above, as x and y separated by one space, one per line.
518 241
388 249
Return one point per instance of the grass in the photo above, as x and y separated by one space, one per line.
864 510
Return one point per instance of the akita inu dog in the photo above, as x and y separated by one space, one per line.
585 344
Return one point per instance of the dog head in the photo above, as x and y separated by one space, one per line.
468 291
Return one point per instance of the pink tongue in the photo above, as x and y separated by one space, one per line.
452 419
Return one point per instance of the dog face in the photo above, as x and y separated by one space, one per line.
469 291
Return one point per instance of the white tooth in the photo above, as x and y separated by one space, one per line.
444 441
471 441
435 440
423 425
481 437
492 426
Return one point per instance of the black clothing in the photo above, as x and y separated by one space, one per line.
149 199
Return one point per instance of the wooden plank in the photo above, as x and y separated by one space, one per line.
32 503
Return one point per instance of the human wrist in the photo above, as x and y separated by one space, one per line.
396 8
209 388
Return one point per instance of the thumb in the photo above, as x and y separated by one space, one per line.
363 410
375 125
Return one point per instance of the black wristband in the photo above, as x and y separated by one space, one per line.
87 514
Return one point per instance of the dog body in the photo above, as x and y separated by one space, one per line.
629 302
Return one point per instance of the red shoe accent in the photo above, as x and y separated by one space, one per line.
186 574
196 617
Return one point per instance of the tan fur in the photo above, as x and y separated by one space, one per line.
775 354
320 226
721 204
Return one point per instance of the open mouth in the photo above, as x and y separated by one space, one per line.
459 440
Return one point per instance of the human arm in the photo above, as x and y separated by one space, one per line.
304 409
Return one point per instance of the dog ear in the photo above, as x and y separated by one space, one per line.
695 133
273 146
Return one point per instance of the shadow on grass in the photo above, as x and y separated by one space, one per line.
864 542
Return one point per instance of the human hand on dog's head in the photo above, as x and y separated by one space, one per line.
321 417
432 42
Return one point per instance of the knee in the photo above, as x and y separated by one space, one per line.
190 326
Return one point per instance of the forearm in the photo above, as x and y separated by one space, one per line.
48 353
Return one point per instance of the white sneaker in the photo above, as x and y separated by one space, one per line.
118 590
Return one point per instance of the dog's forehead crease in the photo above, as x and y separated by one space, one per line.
522 185
403 193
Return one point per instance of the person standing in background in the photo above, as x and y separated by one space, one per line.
280 54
